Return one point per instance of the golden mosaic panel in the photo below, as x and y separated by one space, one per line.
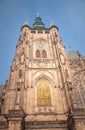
43 93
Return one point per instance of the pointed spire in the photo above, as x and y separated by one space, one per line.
52 25
70 48
38 24
38 15
78 53
26 24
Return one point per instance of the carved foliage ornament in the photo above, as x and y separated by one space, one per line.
3 124
40 46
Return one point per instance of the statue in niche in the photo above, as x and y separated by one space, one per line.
66 74
20 81
20 74
22 58
18 98
13 66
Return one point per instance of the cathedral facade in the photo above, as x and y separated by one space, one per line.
46 87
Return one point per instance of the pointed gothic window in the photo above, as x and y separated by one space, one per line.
79 90
43 94
44 55
77 98
79 95
38 54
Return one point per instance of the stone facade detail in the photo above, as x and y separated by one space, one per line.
46 88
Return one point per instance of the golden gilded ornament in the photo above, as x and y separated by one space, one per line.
43 93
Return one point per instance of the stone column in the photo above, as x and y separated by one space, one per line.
16 119
15 124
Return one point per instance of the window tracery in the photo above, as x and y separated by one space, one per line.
77 97
79 90
41 54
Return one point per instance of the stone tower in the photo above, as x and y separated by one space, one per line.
44 83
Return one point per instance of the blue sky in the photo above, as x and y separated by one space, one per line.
68 15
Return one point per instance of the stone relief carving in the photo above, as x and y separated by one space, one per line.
46 124
16 113
3 124
14 66
44 109
22 58
75 64
20 74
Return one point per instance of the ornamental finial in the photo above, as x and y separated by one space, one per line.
52 23
38 14
26 22
70 48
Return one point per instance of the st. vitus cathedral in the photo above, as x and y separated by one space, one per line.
46 87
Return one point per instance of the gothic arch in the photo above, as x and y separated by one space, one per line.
44 54
78 90
78 76
38 55
41 74
48 85
78 72
47 72
40 40
43 77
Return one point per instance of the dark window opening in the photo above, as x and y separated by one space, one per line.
38 54
44 55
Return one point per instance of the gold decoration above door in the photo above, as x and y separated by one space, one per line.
43 93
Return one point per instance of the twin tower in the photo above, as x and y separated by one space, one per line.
46 88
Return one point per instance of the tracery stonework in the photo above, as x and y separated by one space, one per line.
46 87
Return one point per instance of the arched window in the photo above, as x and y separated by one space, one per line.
43 93
79 94
38 54
44 55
